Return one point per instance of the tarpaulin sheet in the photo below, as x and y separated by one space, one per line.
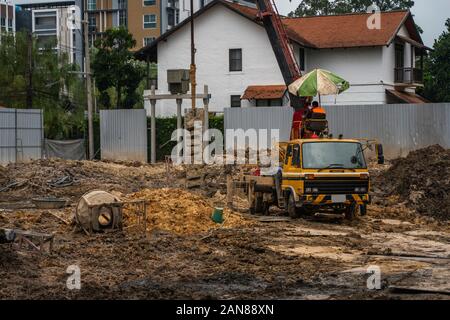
68 149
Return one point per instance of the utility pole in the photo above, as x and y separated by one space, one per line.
193 70
30 71
87 71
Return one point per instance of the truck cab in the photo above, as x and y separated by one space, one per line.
325 175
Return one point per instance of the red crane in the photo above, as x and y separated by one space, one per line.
281 46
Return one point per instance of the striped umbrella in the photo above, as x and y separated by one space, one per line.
318 82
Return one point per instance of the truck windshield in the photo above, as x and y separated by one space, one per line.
333 155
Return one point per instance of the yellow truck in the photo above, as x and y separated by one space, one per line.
316 176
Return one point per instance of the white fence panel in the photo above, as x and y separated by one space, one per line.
123 135
21 135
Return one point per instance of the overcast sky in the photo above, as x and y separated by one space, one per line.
429 14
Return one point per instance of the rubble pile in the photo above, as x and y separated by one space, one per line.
181 212
421 180
71 179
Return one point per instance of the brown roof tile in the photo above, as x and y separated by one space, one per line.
264 92
339 31
323 32
407 97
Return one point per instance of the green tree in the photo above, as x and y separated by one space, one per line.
53 88
437 69
114 67
327 7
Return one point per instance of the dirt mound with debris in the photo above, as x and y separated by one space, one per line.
422 180
181 212
71 179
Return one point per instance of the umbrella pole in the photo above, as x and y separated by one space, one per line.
320 100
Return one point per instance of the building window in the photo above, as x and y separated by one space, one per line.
235 101
92 23
148 40
92 4
149 21
149 3
269 102
123 19
170 17
122 4
235 60
301 58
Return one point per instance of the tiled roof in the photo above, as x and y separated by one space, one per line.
407 97
264 92
339 31
323 32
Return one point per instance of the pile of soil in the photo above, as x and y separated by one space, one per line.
181 212
421 180
71 179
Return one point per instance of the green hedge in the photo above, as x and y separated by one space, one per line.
164 129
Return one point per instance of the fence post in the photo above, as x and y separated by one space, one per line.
153 127
15 136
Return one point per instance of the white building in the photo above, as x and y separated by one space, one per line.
235 58
7 16
175 11
57 22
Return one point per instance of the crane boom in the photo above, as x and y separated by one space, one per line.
279 40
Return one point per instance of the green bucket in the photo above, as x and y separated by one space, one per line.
217 215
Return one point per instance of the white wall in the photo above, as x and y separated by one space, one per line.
360 66
216 32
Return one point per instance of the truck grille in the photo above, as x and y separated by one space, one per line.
337 187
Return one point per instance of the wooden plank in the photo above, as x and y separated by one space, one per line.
175 96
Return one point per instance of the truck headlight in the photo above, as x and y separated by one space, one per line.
308 190
360 190
315 190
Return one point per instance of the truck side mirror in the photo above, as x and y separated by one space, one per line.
380 153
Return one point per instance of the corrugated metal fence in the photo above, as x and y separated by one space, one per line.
21 135
260 118
123 135
400 127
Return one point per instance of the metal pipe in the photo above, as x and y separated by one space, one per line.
193 71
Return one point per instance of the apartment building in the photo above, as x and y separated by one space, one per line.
105 14
7 16
144 20
53 22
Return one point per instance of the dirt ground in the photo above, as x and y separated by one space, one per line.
247 258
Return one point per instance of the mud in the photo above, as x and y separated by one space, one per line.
248 259
421 181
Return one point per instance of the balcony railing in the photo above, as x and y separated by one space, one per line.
408 75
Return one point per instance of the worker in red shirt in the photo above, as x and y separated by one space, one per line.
297 122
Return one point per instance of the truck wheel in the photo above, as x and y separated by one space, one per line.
291 207
257 205
351 211
363 209
265 208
